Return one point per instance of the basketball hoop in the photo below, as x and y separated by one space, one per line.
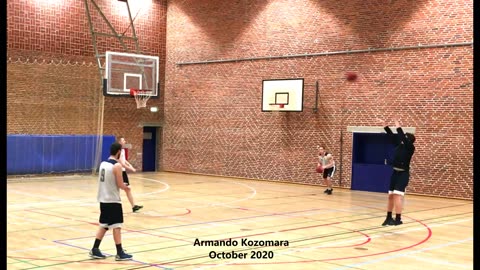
141 97
279 106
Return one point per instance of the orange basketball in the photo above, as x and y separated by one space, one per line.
319 169
351 76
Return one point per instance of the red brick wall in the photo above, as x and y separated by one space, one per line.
215 125
63 97
212 116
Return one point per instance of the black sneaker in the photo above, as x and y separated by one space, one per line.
388 222
326 191
97 254
123 257
137 207
397 222
329 192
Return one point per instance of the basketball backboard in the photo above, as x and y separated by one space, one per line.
282 95
125 71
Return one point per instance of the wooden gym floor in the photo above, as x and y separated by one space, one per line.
52 225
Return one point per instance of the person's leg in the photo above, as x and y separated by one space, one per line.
325 180
135 207
130 197
398 203
95 251
329 185
104 216
391 202
117 238
399 193
100 234
117 234
390 205
330 173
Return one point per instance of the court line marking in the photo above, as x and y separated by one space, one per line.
386 234
450 243
61 200
240 199
441 262
346 241
253 194
127 235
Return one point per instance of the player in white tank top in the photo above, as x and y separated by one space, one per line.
122 158
111 215
325 159
126 165
108 191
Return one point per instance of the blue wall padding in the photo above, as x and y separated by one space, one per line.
369 172
36 154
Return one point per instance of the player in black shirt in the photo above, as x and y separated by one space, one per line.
404 150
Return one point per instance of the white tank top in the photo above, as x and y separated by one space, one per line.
324 160
108 191
122 158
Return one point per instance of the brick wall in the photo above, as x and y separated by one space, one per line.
215 125
63 97
212 116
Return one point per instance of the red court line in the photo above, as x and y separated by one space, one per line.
96 224
313 226
92 261
429 235
266 263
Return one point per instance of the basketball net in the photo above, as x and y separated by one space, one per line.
141 97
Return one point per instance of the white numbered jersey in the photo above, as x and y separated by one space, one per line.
108 191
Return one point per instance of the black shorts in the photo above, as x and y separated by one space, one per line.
125 178
398 182
111 215
329 172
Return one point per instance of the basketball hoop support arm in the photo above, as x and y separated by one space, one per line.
315 109
101 69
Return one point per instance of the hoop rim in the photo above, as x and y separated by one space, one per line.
281 106
135 91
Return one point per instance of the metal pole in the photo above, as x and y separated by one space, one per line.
133 27
102 98
330 53
94 37
315 110
341 156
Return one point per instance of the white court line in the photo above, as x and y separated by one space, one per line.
167 186
56 200
76 241
204 205
56 225
230 202
377 236
270 218
450 243
31 249
295 250
441 262
226 204
35 195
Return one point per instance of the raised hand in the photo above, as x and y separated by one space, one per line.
397 124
